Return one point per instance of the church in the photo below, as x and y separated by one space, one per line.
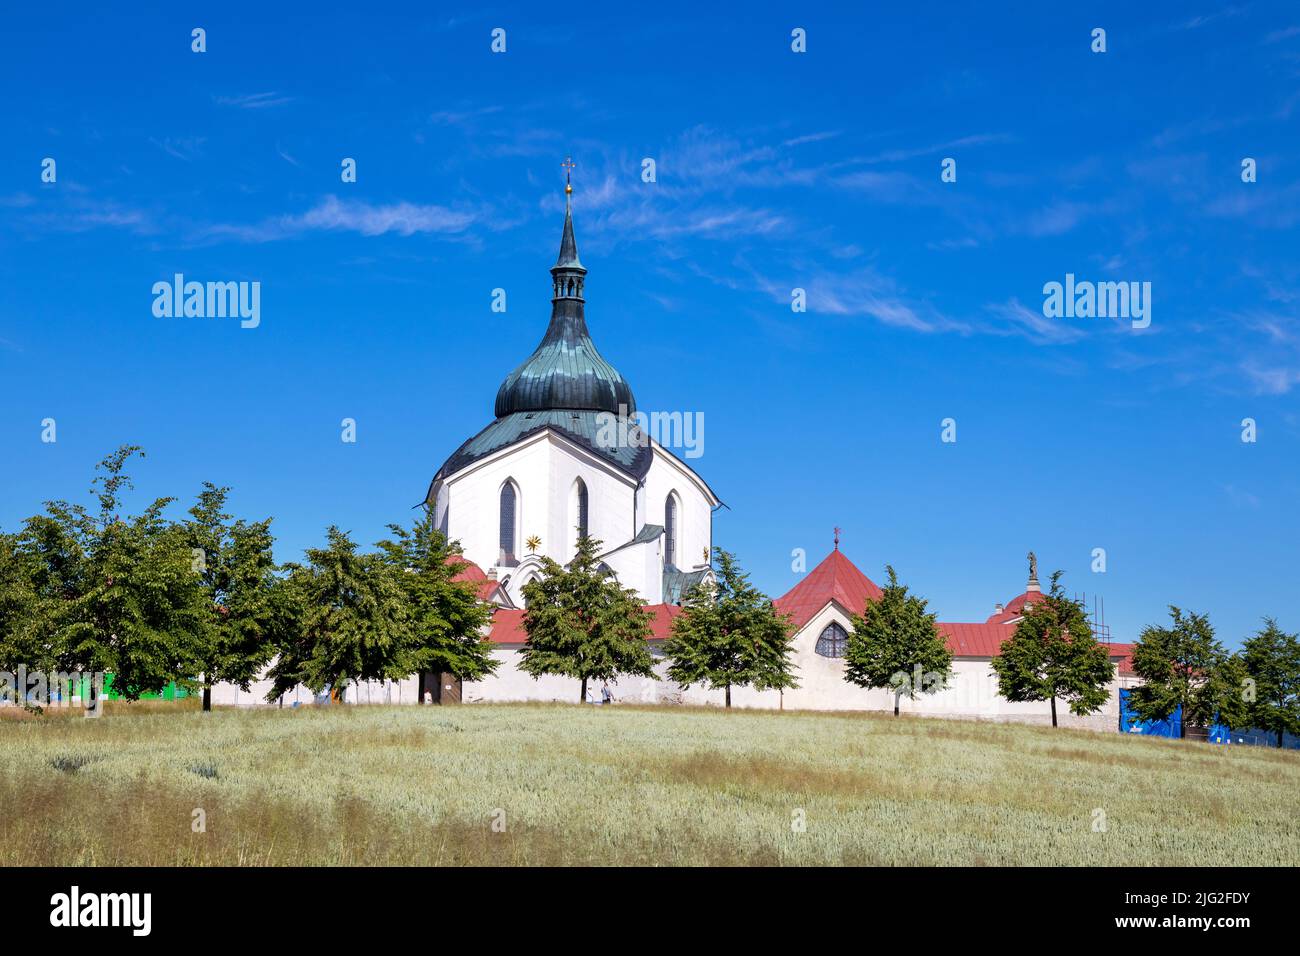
543 472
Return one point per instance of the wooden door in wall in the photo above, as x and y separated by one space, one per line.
450 689
440 689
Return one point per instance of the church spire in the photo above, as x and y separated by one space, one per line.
566 371
568 274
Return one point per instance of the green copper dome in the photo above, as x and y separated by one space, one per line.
566 371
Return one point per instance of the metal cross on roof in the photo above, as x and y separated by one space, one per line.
568 165
837 539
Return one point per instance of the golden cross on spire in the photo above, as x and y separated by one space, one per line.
568 165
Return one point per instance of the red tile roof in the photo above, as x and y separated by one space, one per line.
508 624
508 627
469 571
1015 607
1122 654
835 579
975 640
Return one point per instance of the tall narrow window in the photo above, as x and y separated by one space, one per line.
670 531
580 508
508 510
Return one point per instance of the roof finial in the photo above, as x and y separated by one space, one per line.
837 539
568 165
1033 573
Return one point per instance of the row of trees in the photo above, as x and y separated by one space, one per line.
731 635
582 623
1052 655
202 601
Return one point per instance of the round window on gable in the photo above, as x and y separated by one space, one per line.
832 641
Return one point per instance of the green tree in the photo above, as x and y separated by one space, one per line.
352 623
1052 654
18 614
236 566
581 623
896 645
446 617
1272 661
1184 666
729 634
117 595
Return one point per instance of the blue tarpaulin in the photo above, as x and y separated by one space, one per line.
1130 724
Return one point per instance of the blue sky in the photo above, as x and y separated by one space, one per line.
776 170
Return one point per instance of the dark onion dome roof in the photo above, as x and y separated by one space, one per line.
581 427
566 371
564 385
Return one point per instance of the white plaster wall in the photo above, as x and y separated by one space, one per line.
509 683
474 500
971 695
543 468
641 567
404 691
609 501
971 692
695 513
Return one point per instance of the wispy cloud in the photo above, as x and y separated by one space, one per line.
253 101
461 117
1240 497
83 215
187 148
337 215
1016 319
1056 219
903 154
811 138
862 293
1271 379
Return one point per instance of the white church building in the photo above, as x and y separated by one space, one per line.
544 470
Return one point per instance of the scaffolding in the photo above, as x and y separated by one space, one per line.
1096 616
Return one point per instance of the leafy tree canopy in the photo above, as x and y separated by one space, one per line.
1272 661
1183 665
581 623
896 644
1053 655
730 634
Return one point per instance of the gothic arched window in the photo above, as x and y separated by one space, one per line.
580 507
509 520
832 640
670 531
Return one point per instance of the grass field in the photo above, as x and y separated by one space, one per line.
424 785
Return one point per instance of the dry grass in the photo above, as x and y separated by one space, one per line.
396 785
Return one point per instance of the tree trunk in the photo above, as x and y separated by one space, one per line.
207 698
1053 710
582 694
728 695
898 695
1182 723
